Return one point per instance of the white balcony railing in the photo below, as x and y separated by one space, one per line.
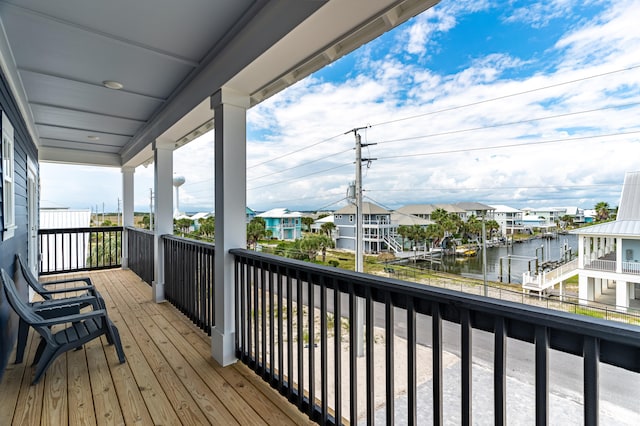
601 265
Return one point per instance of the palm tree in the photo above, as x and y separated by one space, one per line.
602 211
403 231
307 221
328 227
256 230
473 227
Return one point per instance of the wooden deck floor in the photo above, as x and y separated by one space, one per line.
169 377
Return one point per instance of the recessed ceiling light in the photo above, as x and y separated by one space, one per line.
93 138
111 84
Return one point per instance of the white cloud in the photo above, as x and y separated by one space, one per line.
539 14
449 128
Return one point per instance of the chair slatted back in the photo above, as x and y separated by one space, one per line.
21 308
33 282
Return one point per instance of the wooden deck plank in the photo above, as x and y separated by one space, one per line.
166 402
29 405
105 399
54 404
273 407
81 410
169 377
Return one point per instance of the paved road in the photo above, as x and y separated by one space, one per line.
619 389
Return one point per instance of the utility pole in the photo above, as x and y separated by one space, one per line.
359 262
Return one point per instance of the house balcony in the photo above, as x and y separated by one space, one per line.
608 263
321 344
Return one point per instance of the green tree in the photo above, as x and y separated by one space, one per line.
182 225
256 230
307 222
328 227
404 231
439 215
491 226
146 221
207 226
311 244
105 249
473 227
416 233
602 211
566 221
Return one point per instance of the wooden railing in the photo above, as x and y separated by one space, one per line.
140 252
66 250
188 278
298 327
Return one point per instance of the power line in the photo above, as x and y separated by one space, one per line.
480 188
511 123
505 96
301 165
299 177
484 148
455 108
295 151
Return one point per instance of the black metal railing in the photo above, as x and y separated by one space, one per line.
80 249
188 278
297 327
140 252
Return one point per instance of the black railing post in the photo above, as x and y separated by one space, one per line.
592 339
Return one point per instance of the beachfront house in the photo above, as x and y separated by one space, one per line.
478 210
283 224
609 253
509 219
208 329
425 210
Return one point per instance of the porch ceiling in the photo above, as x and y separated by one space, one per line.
170 56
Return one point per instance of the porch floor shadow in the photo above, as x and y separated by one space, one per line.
169 378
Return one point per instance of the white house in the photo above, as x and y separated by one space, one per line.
509 219
609 253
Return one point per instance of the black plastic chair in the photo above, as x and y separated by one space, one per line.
82 328
42 290
82 296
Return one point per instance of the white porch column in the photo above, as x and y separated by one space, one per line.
622 295
230 203
581 252
619 255
163 208
127 211
598 287
585 289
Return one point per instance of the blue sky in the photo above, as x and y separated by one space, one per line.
522 103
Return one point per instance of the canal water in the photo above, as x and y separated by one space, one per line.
522 257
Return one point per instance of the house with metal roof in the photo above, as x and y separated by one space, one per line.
476 209
376 226
609 253
425 210
283 224
509 219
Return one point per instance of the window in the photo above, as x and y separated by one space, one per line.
8 185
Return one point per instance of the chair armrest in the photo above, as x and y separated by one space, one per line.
72 318
57 303
90 289
87 280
